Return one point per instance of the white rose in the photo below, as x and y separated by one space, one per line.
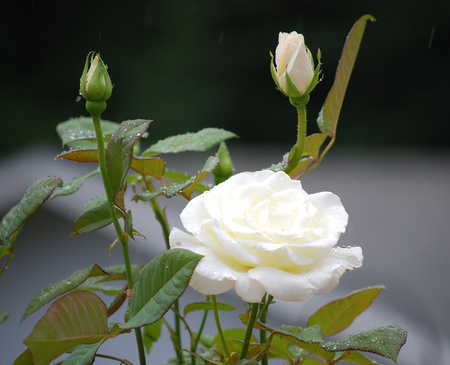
292 58
260 232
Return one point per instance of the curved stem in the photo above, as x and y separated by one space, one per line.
219 327
112 209
248 333
301 136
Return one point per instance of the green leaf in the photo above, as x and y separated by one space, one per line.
80 155
73 185
313 144
158 285
25 358
234 337
329 114
83 354
62 287
148 166
76 318
94 219
3 316
308 339
191 307
178 176
120 150
4 250
82 129
199 141
152 332
34 197
95 202
383 341
339 314
210 164
355 357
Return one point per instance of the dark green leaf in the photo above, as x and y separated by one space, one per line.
73 185
383 341
191 307
199 141
83 354
76 318
62 287
152 332
82 129
94 219
120 150
158 285
339 314
35 196
329 115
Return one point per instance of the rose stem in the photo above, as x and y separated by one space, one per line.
219 327
262 332
248 333
162 219
301 136
118 228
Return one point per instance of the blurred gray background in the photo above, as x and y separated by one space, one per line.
195 64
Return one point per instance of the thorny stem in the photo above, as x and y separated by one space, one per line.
301 136
123 239
219 326
248 333
162 219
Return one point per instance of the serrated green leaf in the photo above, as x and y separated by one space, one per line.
199 141
120 150
191 307
383 341
76 318
209 166
34 197
61 287
148 166
83 354
152 332
158 285
95 202
329 115
82 129
339 314
94 219
73 185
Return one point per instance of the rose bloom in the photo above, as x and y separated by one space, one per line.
292 57
260 232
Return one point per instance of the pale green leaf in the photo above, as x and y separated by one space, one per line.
73 185
76 318
83 354
152 332
148 166
339 314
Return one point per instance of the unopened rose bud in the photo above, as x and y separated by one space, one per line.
294 71
95 84
225 167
